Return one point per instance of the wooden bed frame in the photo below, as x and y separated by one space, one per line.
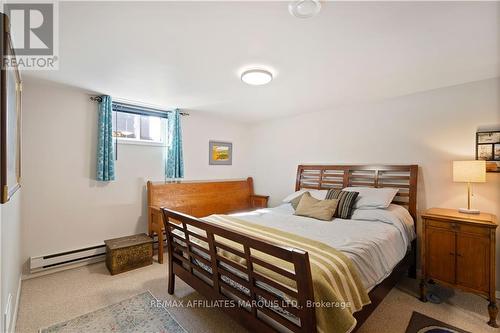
184 255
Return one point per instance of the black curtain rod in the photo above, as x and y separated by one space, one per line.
99 99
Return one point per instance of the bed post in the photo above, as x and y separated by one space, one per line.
297 179
170 258
305 290
412 207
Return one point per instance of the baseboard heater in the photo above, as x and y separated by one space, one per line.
88 255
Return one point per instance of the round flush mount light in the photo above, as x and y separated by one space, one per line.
256 77
304 8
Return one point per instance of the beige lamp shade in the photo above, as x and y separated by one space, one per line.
469 171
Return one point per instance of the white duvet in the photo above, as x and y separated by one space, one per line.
374 239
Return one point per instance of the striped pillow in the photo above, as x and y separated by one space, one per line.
346 202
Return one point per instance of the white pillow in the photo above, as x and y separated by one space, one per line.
317 194
370 197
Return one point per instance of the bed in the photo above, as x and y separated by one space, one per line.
267 280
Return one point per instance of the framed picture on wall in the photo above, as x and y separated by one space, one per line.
488 149
485 152
496 152
10 119
220 153
488 137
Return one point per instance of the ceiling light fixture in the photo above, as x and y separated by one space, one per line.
304 8
256 77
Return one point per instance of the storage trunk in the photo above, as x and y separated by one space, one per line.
127 253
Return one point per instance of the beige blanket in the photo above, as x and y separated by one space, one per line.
338 291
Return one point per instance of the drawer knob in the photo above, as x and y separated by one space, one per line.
452 254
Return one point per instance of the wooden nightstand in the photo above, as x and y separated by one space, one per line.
458 250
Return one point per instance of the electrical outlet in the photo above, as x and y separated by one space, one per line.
7 314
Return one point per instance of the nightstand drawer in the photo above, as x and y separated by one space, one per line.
456 226
442 224
474 230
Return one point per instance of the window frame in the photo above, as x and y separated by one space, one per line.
142 111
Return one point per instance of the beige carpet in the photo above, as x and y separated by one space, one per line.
62 296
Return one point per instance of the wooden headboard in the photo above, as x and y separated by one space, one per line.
403 177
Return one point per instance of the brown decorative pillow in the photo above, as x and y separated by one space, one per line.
318 209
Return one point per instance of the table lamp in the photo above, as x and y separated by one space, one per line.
469 172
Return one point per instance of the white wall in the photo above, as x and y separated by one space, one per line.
63 207
430 129
11 260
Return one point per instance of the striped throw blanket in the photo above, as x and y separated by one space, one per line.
338 291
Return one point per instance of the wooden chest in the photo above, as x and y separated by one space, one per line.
127 253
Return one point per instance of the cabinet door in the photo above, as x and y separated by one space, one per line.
473 261
440 254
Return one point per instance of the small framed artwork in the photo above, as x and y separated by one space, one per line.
496 152
488 137
488 149
485 152
220 153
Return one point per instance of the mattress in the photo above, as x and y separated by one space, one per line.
376 240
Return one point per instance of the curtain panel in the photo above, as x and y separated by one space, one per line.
105 152
174 167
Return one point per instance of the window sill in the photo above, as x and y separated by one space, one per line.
140 143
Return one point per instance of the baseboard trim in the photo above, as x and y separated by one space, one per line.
16 306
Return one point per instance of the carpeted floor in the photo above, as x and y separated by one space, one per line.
65 295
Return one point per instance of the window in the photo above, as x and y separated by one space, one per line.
129 127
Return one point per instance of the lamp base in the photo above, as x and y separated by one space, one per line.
468 211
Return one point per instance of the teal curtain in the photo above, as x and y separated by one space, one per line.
105 153
174 167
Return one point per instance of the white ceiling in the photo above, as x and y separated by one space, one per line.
189 54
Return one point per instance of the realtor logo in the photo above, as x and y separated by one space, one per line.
34 34
32 27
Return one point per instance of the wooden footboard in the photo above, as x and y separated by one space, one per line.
251 298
